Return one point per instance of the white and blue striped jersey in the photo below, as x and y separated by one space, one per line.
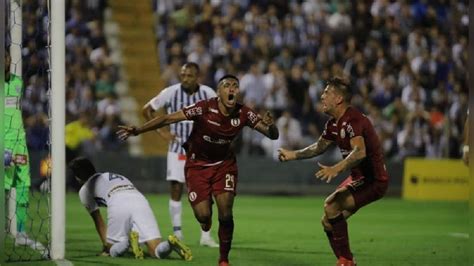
173 99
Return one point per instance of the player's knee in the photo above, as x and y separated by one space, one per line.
203 218
331 207
325 223
225 219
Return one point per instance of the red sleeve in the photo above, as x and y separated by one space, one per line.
326 134
252 118
194 111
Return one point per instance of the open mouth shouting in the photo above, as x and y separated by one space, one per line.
231 99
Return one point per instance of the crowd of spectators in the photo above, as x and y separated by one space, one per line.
406 60
91 75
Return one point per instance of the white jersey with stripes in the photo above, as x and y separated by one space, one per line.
173 99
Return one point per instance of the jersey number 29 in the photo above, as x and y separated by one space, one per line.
229 182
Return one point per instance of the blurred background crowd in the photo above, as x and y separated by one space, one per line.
406 60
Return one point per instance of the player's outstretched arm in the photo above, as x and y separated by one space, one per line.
355 156
101 229
160 121
149 113
267 127
312 150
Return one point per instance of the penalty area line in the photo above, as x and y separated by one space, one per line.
459 235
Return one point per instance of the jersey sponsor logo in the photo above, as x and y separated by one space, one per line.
194 111
350 130
214 123
235 122
20 159
252 116
192 196
216 141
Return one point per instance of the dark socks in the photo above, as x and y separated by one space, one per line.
226 231
340 237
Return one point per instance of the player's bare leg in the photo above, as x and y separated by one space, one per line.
336 207
225 203
175 207
203 213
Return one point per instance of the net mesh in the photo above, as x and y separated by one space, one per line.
27 136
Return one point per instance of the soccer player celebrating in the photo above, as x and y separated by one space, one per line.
211 167
16 158
173 98
130 220
360 147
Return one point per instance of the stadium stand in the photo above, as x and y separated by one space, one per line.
407 61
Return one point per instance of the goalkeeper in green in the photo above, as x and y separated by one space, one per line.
16 159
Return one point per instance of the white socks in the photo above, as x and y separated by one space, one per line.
205 235
119 248
175 208
163 250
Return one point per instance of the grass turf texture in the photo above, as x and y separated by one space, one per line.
287 231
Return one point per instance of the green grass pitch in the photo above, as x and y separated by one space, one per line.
287 231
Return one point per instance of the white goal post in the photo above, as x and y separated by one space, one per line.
58 159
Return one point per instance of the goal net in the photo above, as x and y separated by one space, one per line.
27 145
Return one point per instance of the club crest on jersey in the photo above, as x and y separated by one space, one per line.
343 133
350 130
18 89
192 196
235 122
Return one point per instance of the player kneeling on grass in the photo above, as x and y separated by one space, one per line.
130 220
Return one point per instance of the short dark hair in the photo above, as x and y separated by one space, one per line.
192 65
342 86
82 168
228 76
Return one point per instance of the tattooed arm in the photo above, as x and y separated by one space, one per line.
355 156
312 150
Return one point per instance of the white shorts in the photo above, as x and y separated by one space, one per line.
175 167
127 210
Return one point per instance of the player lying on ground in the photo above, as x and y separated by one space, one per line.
211 166
362 154
130 220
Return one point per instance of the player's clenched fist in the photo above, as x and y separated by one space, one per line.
126 131
268 118
286 155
